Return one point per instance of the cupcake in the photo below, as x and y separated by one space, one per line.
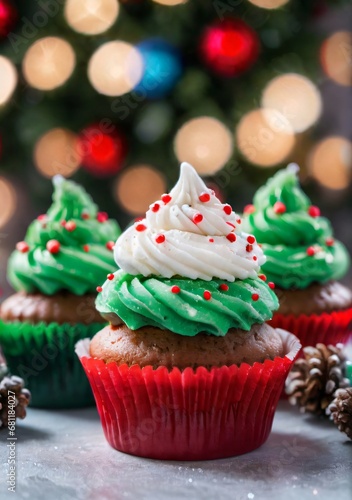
54 272
187 369
303 260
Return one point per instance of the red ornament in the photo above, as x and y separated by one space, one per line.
140 227
175 289
231 237
227 209
249 209
271 285
110 276
42 218
197 218
251 239
102 153
86 248
204 197
249 248
314 211
160 238
207 295
255 257
224 287
310 251
22 246
53 246
85 216
166 198
8 17
110 245
99 289
229 47
211 240
279 207
255 297
262 277
330 242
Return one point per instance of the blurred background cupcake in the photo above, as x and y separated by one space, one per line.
55 272
303 260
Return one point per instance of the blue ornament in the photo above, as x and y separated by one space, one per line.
162 68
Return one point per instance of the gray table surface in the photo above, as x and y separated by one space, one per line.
63 455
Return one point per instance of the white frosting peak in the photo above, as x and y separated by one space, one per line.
189 233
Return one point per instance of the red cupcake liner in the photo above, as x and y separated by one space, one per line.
327 328
191 414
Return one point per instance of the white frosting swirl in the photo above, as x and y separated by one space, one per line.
190 235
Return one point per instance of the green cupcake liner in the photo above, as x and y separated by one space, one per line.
44 356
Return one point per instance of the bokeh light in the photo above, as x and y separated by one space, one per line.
137 187
330 162
205 143
8 79
91 17
269 4
170 3
296 97
265 138
56 152
115 68
48 63
336 57
8 201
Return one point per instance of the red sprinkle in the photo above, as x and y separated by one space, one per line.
160 238
175 289
249 248
239 221
224 287
310 251
140 227
249 209
330 242
99 289
138 219
22 246
42 217
53 246
271 285
262 277
211 240
70 226
230 224
204 197
314 211
279 207
63 223
84 215
255 297
102 217
155 207
197 218
207 295
166 198
231 237
255 257
86 248
110 276
228 209
250 239
110 245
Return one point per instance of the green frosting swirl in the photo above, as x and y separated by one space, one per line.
148 301
83 260
286 237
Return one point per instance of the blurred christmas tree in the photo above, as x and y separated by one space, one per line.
117 93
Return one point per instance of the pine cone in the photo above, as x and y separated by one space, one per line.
22 398
314 379
340 411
